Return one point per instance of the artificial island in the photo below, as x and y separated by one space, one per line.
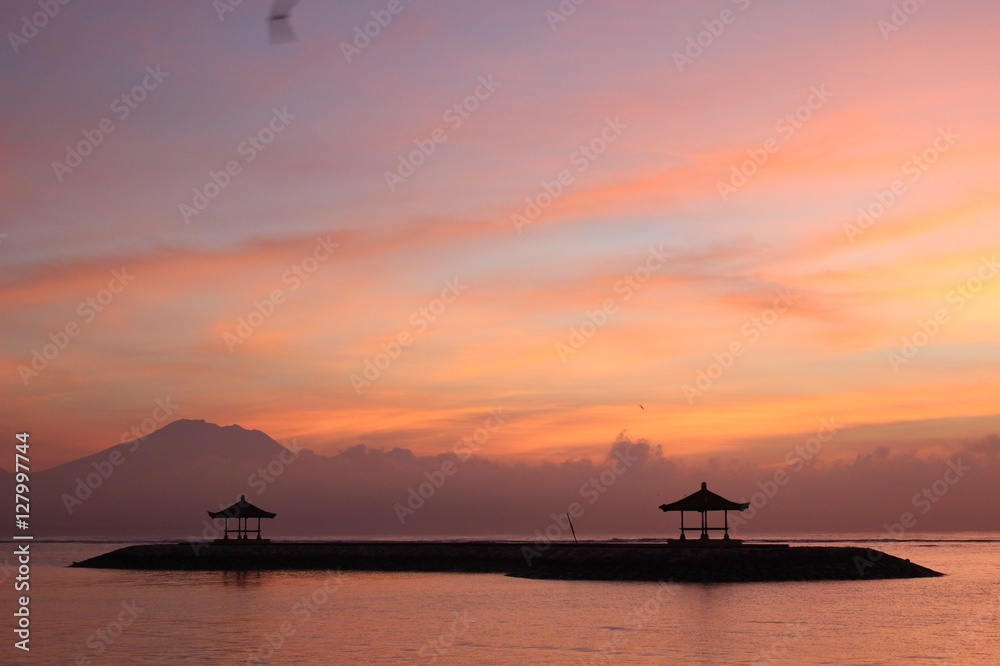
701 559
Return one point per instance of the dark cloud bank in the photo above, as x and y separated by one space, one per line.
162 486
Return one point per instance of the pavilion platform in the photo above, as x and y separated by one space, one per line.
709 543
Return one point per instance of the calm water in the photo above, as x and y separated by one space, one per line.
123 617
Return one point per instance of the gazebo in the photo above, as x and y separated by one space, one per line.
704 501
242 511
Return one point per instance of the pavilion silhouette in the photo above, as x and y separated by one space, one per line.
242 511
703 501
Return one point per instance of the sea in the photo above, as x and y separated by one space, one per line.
90 616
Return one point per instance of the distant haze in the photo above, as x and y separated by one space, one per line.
163 486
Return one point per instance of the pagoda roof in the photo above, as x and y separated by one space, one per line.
242 509
704 500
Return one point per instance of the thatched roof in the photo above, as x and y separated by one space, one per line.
242 509
704 500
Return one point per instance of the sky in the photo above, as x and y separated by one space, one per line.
716 227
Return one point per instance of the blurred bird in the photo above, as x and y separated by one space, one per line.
279 29
642 408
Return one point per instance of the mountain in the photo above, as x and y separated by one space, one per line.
159 484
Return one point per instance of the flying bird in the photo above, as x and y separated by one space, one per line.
642 408
279 29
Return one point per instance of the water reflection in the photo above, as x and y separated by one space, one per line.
242 578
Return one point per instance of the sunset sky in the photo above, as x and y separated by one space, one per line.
638 203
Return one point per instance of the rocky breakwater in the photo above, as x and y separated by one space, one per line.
566 561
